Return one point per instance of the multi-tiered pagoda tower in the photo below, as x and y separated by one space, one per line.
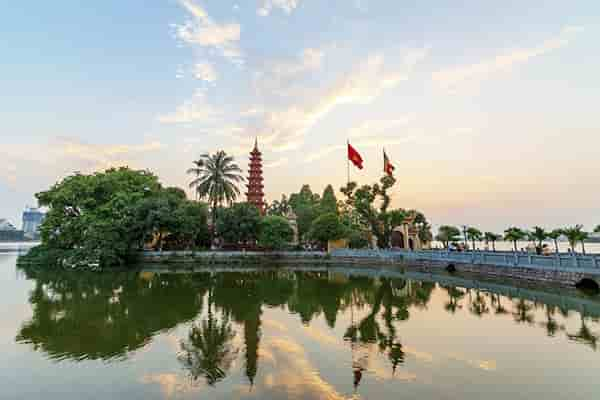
255 194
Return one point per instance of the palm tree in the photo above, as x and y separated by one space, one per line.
492 237
575 234
217 178
514 234
474 234
539 235
554 235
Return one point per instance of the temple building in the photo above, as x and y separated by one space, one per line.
255 194
406 235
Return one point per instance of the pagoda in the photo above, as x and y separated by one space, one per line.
255 194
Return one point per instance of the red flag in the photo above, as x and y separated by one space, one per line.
355 157
388 168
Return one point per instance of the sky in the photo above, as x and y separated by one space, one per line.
487 109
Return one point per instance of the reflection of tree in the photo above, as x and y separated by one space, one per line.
208 351
497 304
585 335
478 305
79 316
522 313
551 325
454 295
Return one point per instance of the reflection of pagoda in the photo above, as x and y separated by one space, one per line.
255 194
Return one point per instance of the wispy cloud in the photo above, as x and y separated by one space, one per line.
360 86
266 6
203 31
374 127
281 77
196 109
451 78
205 71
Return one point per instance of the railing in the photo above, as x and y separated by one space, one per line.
235 254
567 262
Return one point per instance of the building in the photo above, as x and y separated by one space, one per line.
32 219
8 233
255 194
406 235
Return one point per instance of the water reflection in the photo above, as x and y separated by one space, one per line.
109 316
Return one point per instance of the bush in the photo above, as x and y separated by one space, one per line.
275 233
358 239
327 227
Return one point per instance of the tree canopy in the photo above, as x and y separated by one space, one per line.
106 217
327 227
275 232
448 234
238 223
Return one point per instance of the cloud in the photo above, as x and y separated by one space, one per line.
287 6
451 78
171 384
373 127
279 78
203 31
362 85
196 109
205 71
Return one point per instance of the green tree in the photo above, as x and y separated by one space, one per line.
327 227
92 219
306 207
168 215
492 237
539 235
239 223
474 235
328 201
217 179
576 234
597 229
279 207
514 234
362 203
447 234
554 235
275 232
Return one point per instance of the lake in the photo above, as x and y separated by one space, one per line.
299 333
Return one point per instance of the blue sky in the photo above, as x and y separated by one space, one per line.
486 108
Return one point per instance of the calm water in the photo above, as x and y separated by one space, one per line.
290 333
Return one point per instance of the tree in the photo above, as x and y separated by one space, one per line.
514 234
328 201
217 179
279 207
306 207
275 232
474 235
574 235
554 235
327 227
492 237
597 229
539 235
91 218
447 234
238 224
361 202
169 216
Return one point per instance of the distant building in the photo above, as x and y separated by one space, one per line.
32 219
8 233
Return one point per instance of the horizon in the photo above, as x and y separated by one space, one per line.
486 111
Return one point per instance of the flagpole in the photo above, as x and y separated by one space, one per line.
348 160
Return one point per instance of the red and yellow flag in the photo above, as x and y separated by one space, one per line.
388 168
355 157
